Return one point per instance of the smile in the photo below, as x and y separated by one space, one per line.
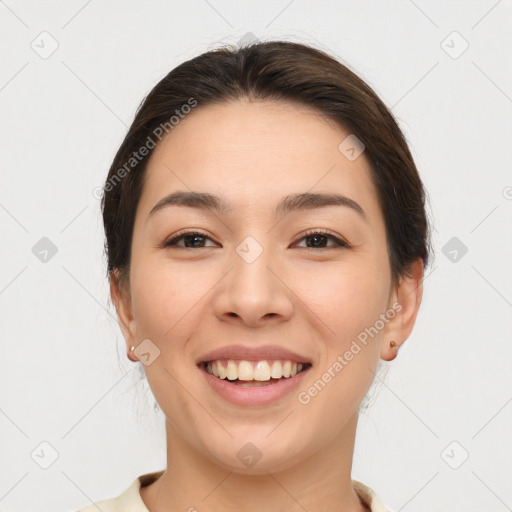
254 373
253 383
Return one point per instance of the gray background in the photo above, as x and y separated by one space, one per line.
64 377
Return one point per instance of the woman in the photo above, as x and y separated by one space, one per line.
266 240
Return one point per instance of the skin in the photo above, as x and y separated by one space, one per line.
314 301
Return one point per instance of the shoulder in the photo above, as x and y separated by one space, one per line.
128 501
369 498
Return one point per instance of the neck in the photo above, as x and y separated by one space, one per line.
192 481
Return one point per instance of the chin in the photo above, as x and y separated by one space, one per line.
257 455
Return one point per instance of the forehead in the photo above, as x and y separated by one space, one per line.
256 152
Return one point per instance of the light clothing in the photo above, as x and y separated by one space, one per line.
131 501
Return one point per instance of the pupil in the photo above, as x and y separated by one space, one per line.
316 237
192 237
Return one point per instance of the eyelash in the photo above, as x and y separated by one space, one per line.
310 233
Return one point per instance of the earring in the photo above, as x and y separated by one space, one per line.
392 344
132 355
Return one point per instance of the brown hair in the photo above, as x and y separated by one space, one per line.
274 70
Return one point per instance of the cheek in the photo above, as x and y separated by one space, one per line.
166 303
161 298
349 301
345 298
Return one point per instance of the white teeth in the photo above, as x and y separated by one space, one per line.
220 369
253 371
287 369
277 370
261 370
232 370
245 371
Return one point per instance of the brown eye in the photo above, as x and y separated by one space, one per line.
320 238
192 240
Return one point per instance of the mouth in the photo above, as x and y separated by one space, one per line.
245 373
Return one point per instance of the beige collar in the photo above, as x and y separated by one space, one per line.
368 497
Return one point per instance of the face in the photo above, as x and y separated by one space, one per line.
312 281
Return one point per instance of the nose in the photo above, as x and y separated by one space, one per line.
255 292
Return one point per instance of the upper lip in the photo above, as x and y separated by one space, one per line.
251 353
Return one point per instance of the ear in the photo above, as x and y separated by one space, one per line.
407 299
121 297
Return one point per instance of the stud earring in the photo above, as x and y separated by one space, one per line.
392 344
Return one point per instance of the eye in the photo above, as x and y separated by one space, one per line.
318 237
193 238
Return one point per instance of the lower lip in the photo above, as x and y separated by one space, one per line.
256 395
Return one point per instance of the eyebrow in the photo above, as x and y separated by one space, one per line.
288 204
